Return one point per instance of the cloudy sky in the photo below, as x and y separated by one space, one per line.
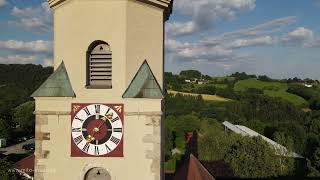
279 38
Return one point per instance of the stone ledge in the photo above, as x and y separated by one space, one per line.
51 112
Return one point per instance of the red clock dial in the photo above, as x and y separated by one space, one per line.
97 130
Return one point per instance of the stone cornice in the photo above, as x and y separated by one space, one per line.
164 4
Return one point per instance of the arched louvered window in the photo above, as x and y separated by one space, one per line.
99 65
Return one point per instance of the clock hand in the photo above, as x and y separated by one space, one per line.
90 138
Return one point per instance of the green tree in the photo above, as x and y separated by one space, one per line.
170 125
191 74
4 129
23 116
314 164
286 163
213 142
187 123
253 158
7 171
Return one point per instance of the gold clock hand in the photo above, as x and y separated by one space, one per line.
90 138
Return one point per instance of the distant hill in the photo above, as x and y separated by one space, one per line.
17 82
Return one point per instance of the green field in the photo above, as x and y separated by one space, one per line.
254 83
272 89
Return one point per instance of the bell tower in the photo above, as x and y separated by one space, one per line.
99 115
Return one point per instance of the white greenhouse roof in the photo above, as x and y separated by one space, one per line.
245 131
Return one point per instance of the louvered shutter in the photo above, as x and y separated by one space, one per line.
100 66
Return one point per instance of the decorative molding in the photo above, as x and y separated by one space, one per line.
150 113
51 112
163 4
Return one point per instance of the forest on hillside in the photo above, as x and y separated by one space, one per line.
286 111
17 83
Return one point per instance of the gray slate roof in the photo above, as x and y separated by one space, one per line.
57 85
144 85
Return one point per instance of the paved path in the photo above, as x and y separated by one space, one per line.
16 149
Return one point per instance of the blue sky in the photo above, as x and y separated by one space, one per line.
279 38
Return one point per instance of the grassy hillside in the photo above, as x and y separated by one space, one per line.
272 89
254 83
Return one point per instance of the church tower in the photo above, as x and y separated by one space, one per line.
99 115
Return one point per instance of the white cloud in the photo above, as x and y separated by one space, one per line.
181 28
259 41
263 29
39 46
300 34
204 13
2 3
17 59
223 50
33 18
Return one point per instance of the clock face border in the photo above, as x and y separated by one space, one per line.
118 151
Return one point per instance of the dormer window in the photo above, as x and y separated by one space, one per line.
99 66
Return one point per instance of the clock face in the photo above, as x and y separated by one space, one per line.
97 130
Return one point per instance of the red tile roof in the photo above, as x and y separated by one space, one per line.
193 170
26 165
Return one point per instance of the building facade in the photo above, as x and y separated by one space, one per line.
99 115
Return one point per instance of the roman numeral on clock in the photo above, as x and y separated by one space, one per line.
96 150
76 129
115 119
86 147
107 111
87 111
78 139
78 119
108 149
117 129
115 140
97 107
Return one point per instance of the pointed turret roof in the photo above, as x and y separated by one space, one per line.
144 85
57 85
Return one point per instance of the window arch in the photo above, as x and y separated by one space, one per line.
97 174
99 65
